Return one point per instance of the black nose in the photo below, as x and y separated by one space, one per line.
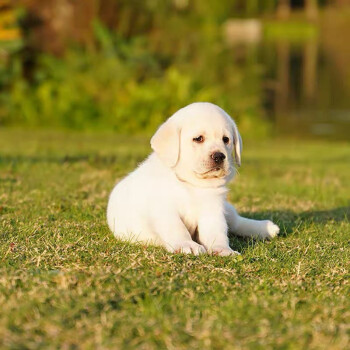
218 157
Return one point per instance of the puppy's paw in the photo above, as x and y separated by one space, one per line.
270 231
187 247
223 251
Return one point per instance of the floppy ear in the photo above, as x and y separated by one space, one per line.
237 143
166 142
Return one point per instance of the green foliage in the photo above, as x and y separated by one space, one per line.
66 282
132 85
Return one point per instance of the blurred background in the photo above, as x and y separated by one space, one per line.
279 67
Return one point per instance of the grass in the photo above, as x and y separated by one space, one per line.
65 282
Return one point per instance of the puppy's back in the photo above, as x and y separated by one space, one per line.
132 200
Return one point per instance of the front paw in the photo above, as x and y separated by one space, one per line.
270 230
223 251
187 247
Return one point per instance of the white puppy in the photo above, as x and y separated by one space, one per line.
177 197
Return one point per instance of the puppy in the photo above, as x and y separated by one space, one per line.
177 197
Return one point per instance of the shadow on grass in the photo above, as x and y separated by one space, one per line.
289 221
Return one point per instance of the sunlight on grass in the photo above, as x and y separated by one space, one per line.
66 282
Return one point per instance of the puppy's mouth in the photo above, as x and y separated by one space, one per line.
213 173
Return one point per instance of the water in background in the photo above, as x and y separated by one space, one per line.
306 95
307 84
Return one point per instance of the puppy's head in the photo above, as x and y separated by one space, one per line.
198 143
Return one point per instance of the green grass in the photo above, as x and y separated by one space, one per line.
65 282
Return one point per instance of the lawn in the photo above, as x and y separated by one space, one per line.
66 282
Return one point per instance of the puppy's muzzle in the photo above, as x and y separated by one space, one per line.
218 157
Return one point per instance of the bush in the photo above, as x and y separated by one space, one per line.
132 85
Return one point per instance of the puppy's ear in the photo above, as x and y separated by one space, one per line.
166 142
237 143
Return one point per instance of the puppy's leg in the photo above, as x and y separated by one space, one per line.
212 231
263 229
174 234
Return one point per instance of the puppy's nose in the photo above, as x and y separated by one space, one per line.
218 157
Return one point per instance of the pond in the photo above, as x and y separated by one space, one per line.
305 92
306 79
306 85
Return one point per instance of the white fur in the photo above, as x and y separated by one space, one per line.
178 193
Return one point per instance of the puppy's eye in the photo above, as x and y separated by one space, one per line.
226 139
199 139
